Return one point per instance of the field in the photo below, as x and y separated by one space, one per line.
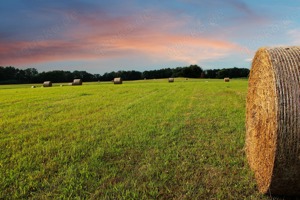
139 140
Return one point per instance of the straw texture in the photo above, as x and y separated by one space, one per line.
273 120
77 82
171 80
118 80
226 79
47 84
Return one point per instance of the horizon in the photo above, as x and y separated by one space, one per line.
99 37
141 71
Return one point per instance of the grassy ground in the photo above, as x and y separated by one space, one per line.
139 140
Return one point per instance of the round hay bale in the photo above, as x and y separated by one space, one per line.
171 80
33 86
226 79
47 84
273 120
77 82
118 80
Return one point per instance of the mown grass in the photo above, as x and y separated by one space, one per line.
139 140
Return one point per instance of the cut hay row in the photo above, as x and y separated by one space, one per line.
49 83
115 81
273 120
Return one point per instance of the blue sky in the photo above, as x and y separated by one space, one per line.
103 36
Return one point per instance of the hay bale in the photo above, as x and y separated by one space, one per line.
171 80
273 120
77 82
226 79
47 84
70 83
33 86
118 80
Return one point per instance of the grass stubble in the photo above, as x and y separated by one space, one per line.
139 140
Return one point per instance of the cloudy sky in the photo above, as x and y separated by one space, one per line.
101 36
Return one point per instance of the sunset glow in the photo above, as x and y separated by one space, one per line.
100 36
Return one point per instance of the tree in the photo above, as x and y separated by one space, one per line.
85 76
30 74
193 71
233 72
10 73
211 73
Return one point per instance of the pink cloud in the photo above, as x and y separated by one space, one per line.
104 37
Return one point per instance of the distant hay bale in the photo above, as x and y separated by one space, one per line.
118 80
77 82
70 83
171 80
47 84
273 120
32 86
226 79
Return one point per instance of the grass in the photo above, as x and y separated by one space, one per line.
139 140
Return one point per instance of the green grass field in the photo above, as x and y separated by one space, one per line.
139 140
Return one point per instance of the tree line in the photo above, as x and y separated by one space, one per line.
11 75
228 72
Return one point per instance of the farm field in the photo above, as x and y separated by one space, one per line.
139 140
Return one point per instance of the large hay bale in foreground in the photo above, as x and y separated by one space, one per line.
171 80
118 80
273 120
77 82
226 79
47 84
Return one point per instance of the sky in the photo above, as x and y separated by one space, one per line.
100 36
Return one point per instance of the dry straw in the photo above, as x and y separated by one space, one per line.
47 84
273 120
77 82
118 80
226 79
171 80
